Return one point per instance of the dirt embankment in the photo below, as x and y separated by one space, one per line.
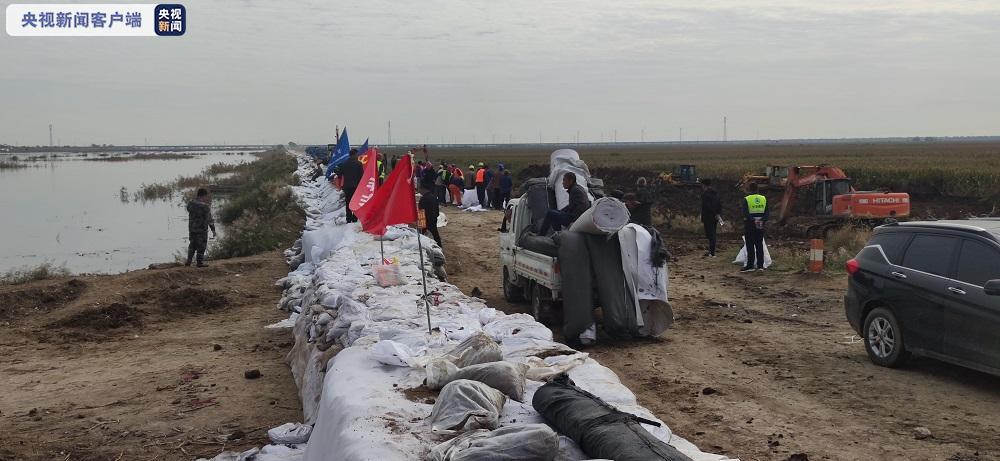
144 365
764 366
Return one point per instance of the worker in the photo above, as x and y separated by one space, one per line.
380 166
441 184
470 178
578 203
711 214
199 222
429 204
351 170
481 185
493 188
428 176
506 185
640 204
457 185
638 212
755 214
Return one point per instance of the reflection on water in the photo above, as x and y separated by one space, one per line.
82 214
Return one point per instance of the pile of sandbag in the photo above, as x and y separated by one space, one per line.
375 383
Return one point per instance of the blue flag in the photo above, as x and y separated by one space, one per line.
363 148
340 153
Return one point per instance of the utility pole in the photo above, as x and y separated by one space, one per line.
724 128
680 134
389 131
642 135
50 135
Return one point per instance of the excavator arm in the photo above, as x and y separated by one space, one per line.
805 176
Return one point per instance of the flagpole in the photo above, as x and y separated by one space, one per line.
423 273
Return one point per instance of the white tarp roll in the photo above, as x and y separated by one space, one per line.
606 216
565 161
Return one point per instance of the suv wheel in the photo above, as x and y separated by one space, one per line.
884 338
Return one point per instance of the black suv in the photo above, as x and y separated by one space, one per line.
929 288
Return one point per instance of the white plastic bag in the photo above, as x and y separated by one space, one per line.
465 405
741 258
290 433
391 353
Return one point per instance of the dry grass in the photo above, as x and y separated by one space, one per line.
42 271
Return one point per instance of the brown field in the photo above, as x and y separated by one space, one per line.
967 169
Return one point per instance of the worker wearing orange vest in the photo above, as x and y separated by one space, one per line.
481 185
456 185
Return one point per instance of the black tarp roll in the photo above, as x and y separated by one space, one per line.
536 192
613 295
601 430
539 244
574 264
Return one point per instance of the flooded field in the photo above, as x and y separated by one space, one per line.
86 215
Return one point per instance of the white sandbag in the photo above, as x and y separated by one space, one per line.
506 377
741 257
470 198
465 405
550 367
517 325
290 433
606 216
477 348
565 161
519 346
391 353
528 442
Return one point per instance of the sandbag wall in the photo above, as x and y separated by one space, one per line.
377 384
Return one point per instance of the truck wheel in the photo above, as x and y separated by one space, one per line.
512 293
541 305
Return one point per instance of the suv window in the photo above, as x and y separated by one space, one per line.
930 253
978 263
892 244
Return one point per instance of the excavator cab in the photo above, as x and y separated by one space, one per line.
686 174
826 189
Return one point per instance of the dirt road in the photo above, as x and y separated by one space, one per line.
145 365
764 366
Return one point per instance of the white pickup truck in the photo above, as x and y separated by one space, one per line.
526 274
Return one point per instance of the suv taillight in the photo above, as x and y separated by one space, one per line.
852 266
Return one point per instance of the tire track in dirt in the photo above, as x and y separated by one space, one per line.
763 366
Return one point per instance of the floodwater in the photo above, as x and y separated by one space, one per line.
73 212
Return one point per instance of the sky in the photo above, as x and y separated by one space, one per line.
273 71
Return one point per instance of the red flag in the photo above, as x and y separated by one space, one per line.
367 186
393 203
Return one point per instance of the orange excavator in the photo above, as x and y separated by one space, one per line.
836 198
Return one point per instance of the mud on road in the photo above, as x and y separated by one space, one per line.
144 365
764 366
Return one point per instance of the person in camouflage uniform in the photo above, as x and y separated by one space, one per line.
199 221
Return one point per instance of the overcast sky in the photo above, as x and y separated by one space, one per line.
271 71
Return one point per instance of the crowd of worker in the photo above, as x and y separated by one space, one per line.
447 183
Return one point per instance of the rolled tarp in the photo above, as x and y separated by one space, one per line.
605 217
601 430
565 161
